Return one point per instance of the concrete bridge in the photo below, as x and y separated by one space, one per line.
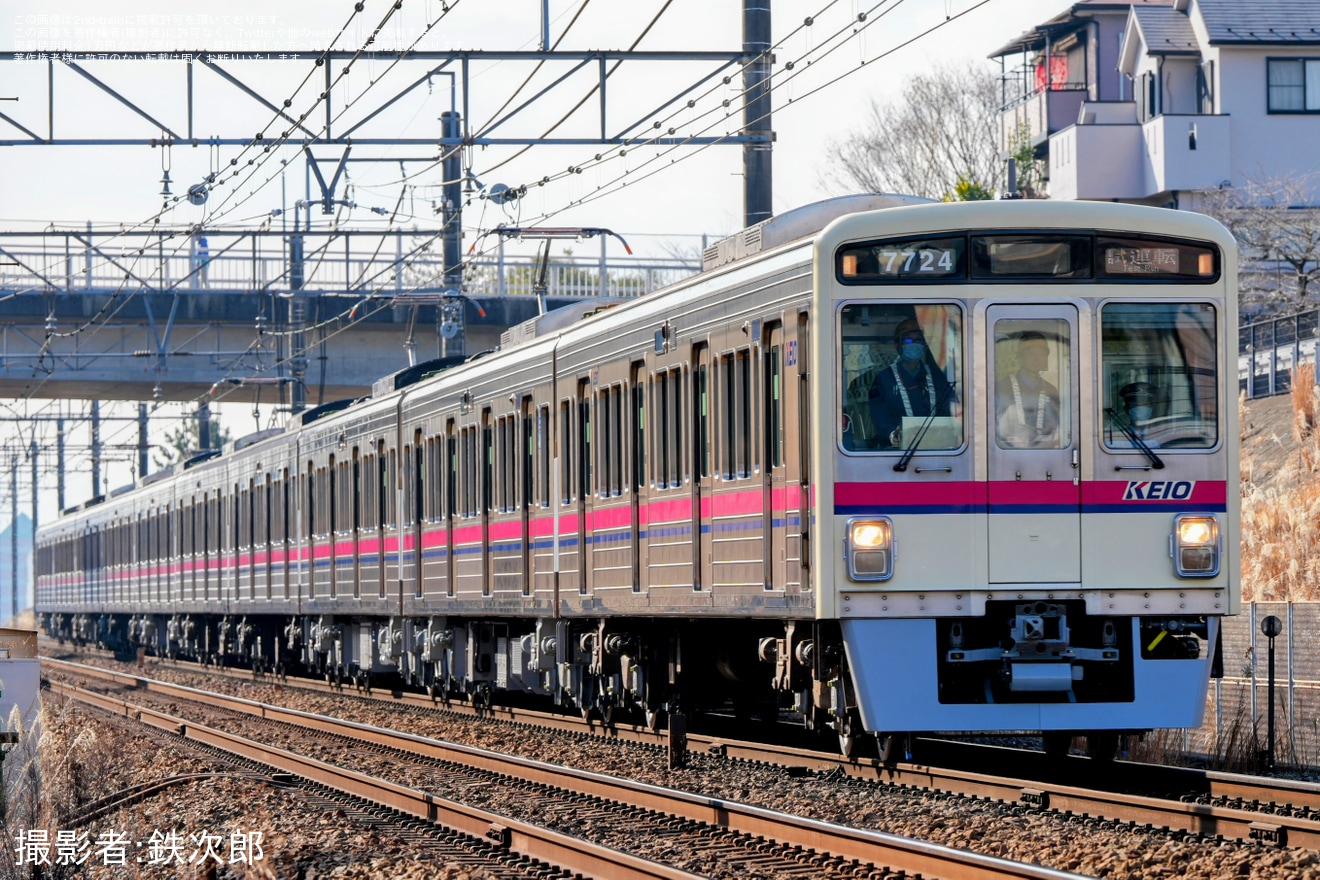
168 314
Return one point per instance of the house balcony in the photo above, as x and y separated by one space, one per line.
1039 115
1111 156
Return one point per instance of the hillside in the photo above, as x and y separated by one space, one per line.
1281 495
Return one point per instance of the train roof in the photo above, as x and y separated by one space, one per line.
797 224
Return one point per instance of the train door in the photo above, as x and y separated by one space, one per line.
702 469
637 462
360 546
798 453
583 464
451 504
417 505
487 471
774 503
526 470
1034 444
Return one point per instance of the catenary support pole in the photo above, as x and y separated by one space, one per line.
142 440
59 465
756 113
96 448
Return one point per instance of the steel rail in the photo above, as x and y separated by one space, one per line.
891 851
569 853
1199 818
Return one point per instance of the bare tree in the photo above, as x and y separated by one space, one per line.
942 133
1277 228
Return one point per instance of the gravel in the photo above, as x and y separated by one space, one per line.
1085 846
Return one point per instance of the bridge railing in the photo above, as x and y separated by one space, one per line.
351 263
1270 350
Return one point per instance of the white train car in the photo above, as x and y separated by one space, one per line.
894 466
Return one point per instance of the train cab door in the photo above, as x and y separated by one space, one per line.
1033 443
774 502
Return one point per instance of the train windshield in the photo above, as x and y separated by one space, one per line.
902 374
1160 375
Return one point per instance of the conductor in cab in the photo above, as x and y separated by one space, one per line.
910 386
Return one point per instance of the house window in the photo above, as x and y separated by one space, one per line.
1294 85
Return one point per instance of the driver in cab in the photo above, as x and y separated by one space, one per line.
912 386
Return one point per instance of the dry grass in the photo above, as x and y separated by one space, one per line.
1281 521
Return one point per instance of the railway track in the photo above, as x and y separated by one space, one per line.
1266 810
733 837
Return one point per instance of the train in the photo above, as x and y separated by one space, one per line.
883 466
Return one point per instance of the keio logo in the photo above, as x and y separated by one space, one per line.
1159 490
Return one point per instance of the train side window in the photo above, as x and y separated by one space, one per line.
487 463
388 476
605 443
451 473
565 451
663 452
471 468
236 507
638 392
310 482
419 451
743 411
435 478
584 487
729 439
508 452
1160 375
336 515
618 478
675 436
543 449
610 417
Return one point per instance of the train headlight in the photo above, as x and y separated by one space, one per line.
1195 545
870 549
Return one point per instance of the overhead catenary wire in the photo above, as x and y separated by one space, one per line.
603 192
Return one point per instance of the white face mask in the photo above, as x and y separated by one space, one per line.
1141 413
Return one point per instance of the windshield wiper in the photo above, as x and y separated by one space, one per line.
1126 427
911 449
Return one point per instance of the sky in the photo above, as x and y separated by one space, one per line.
668 195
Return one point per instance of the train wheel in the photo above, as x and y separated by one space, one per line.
1102 745
1056 743
889 747
652 718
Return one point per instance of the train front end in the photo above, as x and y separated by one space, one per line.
1028 460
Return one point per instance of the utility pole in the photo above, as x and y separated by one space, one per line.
757 180
450 309
96 449
13 538
298 310
32 564
142 441
59 464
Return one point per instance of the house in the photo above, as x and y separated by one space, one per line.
1159 101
